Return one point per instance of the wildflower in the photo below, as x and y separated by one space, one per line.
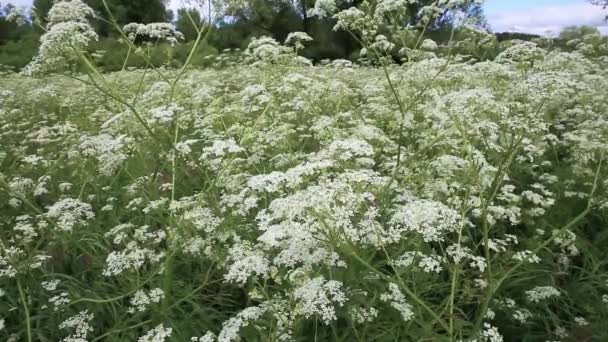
522 315
59 300
68 34
527 256
581 321
430 219
154 32
70 213
298 39
231 328
69 11
382 44
80 326
540 293
323 9
392 6
247 262
265 49
50 285
106 149
16 14
396 299
491 333
363 315
318 297
158 334
429 45
141 299
132 257
208 337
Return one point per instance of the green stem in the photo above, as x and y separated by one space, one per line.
26 312
409 292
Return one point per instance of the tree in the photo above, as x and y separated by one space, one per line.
187 22
577 32
40 9
124 11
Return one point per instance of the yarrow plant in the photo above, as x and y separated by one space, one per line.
68 33
457 195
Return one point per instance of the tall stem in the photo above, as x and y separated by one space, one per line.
26 311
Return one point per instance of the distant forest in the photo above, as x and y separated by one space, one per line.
234 28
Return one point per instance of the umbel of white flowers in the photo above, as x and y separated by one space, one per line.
67 33
154 31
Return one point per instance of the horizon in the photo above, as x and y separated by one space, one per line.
542 17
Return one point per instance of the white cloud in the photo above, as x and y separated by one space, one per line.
553 19
26 3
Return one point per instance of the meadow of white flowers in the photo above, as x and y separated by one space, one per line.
442 199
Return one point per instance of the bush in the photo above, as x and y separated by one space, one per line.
113 54
17 54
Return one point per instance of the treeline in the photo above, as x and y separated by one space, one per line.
235 28
238 24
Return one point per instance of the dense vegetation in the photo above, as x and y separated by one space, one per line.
439 191
274 18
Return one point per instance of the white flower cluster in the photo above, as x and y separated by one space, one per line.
158 334
427 263
70 213
356 20
208 337
106 149
265 49
323 9
432 220
491 334
319 297
522 52
59 301
68 34
396 299
141 300
363 315
80 326
69 11
393 6
50 285
246 262
231 328
297 39
17 15
140 245
154 32
541 293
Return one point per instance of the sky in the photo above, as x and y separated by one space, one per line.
529 16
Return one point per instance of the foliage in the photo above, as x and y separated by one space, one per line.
188 20
17 54
124 11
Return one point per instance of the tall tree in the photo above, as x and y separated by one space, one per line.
188 19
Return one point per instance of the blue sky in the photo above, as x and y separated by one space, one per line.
543 16
531 16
